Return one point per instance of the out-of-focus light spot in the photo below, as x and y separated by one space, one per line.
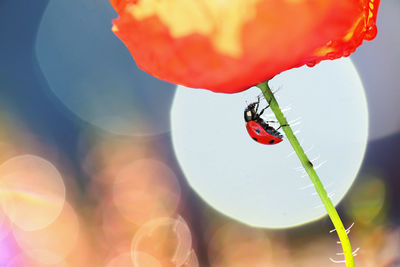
122 260
86 251
92 73
52 244
146 189
316 252
106 159
4 225
367 200
23 260
8 248
165 239
378 247
32 191
184 241
192 260
234 245
117 230
265 186
143 259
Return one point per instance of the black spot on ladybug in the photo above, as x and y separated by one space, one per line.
255 139
258 131
272 141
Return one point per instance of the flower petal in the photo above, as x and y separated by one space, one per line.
229 46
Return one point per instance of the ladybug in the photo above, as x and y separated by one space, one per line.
259 129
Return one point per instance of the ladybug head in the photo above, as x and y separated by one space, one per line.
250 113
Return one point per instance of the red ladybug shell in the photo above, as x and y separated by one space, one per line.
260 135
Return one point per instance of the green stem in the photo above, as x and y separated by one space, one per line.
308 166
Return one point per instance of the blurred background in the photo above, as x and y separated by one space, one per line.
89 175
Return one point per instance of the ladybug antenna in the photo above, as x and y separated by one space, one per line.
261 95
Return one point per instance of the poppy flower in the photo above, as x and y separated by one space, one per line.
229 46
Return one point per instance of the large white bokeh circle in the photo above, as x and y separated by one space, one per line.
261 185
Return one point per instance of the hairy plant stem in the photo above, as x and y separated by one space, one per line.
308 166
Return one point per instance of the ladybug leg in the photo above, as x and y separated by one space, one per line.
258 103
282 126
262 111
